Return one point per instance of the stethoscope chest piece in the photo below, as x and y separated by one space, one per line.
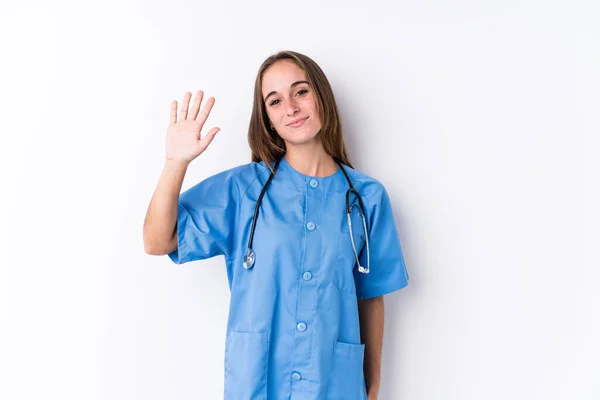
249 259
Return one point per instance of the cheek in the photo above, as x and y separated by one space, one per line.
314 112
272 117
312 105
275 115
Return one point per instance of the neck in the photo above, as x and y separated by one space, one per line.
311 159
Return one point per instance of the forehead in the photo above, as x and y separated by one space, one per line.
281 75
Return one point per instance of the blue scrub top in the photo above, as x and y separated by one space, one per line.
293 329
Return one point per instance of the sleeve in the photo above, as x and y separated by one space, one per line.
387 269
206 219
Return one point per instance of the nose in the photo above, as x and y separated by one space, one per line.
291 107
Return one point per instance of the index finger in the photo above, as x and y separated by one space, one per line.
206 110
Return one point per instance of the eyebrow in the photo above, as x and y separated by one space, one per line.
292 85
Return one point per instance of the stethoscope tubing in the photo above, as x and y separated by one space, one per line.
250 256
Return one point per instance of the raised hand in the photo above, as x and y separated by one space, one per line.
184 143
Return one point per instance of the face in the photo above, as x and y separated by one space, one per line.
290 103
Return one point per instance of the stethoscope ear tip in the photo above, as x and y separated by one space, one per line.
363 269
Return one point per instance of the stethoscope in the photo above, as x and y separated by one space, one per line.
250 256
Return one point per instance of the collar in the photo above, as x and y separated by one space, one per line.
296 180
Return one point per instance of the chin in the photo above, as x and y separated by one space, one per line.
301 136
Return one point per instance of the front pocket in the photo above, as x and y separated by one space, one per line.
343 276
246 364
347 380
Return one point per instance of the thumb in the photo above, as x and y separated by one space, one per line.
205 141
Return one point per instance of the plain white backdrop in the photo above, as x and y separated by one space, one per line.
480 118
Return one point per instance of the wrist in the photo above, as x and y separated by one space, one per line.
176 164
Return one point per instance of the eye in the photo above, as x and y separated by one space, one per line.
300 92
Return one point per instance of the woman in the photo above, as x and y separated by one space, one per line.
306 313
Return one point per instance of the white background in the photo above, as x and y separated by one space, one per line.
479 117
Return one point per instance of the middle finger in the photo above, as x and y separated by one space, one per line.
196 106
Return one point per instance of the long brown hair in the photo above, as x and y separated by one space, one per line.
266 144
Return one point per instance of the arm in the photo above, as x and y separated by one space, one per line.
371 318
160 224
183 145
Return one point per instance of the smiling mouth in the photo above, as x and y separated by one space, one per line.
299 123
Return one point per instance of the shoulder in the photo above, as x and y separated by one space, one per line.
238 178
374 196
366 185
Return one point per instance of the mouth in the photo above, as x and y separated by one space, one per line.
298 122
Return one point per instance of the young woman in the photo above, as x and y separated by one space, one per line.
306 271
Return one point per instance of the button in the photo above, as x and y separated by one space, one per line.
307 276
301 326
296 376
311 226
313 183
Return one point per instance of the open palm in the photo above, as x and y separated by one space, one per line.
184 142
